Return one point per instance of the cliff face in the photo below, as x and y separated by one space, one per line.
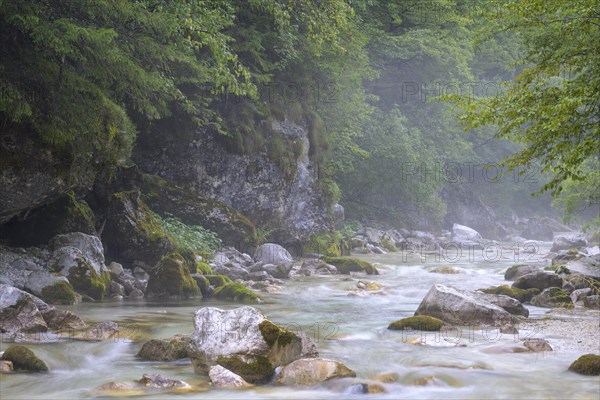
283 199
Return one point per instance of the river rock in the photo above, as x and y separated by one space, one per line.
509 304
457 306
537 345
18 312
568 240
62 320
88 245
165 349
552 297
312 371
271 253
592 301
539 280
519 270
243 341
543 228
366 388
24 359
6 366
38 280
588 364
115 269
102 331
155 381
461 233
222 377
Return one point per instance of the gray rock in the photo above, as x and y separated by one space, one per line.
539 280
136 294
543 228
537 345
271 253
379 250
461 233
281 271
171 349
552 297
258 276
116 289
568 240
372 235
19 313
509 304
592 302
89 246
222 377
518 270
160 382
38 280
457 306
62 320
337 212
102 331
312 371
115 268
580 294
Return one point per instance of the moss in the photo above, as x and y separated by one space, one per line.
190 258
24 359
345 265
203 268
512 271
420 322
523 295
171 278
274 334
237 292
258 371
59 293
218 280
327 243
388 245
559 296
203 284
87 281
588 364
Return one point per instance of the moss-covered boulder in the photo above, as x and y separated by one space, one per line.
132 233
273 334
523 295
204 284
171 278
171 349
66 214
86 280
419 322
588 364
165 197
345 265
552 297
388 245
218 280
259 370
24 359
59 293
203 268
235 291
518 270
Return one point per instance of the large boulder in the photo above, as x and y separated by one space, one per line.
19 312
171 349
568 240
462 307
461 233
51 288
588 364
508 303
222 377
518 270
24 359
312 371
171 278
271 253
81 244
552 297
540 280
243 341
543 228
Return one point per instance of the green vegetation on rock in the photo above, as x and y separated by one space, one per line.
523 295
274 334
59 293
87 281
345 265
192 237
24 359
203 268
419 322
258 371
235 291
171 278
218 280
588 364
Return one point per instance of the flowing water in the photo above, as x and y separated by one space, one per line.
347 325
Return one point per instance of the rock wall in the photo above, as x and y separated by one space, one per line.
292 208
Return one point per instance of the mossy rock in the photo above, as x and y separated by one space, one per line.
588 364
523 295
419 322
345 265
273 334
553 297
237 292
171 278
59 293
258 371
65 215
218 280
204 285
85 280
388 245
189 207
24 359
203 268
132 233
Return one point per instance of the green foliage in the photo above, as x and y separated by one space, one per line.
203 268
193 237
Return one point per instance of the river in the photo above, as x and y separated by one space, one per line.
347 325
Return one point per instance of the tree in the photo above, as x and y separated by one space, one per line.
552 108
